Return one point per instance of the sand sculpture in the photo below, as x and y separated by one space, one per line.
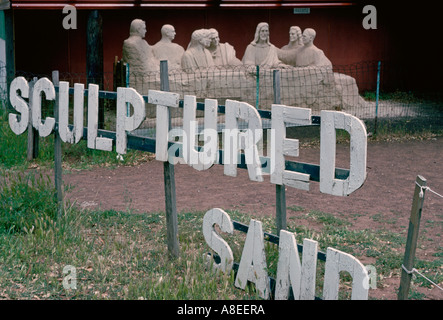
261 51
137 51
309 55
165 49
295 42
139 55
223 54
210 69
196 55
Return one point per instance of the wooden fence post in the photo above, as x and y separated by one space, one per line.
411 242
9 50
33 137
169 178
94 58
280 192
58 181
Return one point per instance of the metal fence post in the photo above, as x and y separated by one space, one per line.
411 242
377 94
127 86
257 89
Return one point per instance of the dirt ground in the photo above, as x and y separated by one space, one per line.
392 168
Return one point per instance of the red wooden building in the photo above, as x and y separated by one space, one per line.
41 44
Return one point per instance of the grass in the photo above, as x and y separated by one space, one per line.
117 255
122 255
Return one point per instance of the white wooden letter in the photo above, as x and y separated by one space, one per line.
205 159
42 85
290 272
234 139
20 105
253 261
308 270
287 147
337 261
95 142
288 268
67 135
330 121
125 122
215 242
163 100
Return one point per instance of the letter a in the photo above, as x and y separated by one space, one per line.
70 21
370 21
253 261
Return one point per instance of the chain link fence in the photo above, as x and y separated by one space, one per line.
349 88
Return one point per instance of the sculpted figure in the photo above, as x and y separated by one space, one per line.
137 52
165 49
295 39
287 53
223 54
196 55
309 55
260 51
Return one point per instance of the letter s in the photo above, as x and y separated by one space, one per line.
214 241
17 102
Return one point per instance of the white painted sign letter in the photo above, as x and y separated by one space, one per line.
67 135
253 261
42 85
330 121
18 126
125 122
337 261
234 139
287 147
95 142
205 159
163 100
290 272
215 242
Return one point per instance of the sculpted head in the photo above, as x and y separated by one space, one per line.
261 33
168 32
137 28
294 33
308 36
214 36
200 37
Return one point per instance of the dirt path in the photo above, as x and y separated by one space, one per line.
392 169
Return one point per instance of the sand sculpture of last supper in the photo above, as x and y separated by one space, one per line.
210 68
